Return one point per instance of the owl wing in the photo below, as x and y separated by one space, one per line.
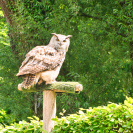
41 58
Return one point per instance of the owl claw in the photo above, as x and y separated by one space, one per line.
40 81
50 82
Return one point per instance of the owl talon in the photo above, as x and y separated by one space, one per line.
40 81
50 82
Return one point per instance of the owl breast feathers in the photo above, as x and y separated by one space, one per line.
43 63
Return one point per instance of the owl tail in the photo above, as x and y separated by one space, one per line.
29 81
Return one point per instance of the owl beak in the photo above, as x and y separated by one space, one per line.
60 44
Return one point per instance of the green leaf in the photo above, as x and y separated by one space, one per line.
120 129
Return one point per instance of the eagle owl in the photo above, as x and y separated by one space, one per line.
43 63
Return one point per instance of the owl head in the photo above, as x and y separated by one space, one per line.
60 42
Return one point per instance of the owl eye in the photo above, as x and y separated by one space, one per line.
64 40
57 39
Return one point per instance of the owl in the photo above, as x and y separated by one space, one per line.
43 63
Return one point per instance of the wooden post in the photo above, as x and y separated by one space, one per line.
49 109
49 99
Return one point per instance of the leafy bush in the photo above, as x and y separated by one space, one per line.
35 126
5 119
112 118
99 56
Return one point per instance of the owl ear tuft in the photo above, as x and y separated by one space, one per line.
54 34
68 36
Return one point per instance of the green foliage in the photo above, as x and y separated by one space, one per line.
99 57
5 119
34 126
3 31
112 118
15 102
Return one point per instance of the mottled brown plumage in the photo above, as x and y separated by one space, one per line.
41 58
43 63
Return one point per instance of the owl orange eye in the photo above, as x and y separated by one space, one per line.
57 39
64 40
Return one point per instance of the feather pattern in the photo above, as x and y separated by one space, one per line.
41 58
29 80
43 63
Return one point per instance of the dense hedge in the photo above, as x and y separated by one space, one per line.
34 126
113 118
5 119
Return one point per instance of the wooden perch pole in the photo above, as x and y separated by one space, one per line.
66 87
49 109
49 99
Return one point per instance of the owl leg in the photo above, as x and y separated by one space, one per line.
49 76
40 81
50 82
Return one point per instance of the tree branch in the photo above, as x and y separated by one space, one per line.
6 11
89 16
